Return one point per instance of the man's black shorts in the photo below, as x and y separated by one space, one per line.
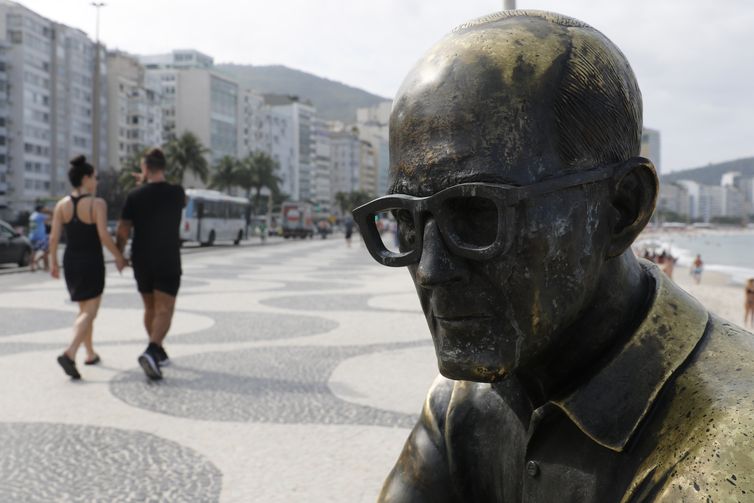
147 281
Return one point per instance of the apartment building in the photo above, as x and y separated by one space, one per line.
198 99
297 182
134 114
5 211
650 147
49 69
367 168
321 180
270 130
345 155
373 124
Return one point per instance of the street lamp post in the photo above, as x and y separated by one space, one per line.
96 123
509 4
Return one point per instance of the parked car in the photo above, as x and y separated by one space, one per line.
14 247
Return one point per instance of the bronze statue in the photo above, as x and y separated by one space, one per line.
573 371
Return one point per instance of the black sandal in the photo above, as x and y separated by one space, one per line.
69 366
93 361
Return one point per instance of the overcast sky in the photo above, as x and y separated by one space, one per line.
694 60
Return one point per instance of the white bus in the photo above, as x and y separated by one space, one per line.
211 216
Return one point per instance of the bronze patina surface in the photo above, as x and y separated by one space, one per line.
571 370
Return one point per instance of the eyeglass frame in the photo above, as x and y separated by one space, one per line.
505 197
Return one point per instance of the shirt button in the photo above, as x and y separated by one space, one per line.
532 468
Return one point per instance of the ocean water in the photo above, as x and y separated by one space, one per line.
728 252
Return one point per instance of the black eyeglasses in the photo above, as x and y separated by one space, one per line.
474 219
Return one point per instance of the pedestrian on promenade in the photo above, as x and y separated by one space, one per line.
153 210
349 230
84 218
39 240
697 268
749 303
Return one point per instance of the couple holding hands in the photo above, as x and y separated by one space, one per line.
153 210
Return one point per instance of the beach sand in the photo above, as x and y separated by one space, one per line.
716 292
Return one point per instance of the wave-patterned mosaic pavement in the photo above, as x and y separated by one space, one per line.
298 369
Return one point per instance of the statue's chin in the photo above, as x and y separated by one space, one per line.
469 370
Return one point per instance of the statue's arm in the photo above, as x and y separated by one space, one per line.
421 473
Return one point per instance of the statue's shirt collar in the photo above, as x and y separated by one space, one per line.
610 406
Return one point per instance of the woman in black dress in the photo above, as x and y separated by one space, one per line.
84 218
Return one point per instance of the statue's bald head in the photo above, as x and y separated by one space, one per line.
530 92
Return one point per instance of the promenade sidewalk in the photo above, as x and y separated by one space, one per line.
298 370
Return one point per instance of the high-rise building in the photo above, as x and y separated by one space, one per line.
367 168
134 112
373 125
197 99
49 69
4 111
179 58
298 182
321 180
673 198
650 147
269 129
345 155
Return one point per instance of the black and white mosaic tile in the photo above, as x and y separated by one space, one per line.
19 321
43 462
253 326
270 384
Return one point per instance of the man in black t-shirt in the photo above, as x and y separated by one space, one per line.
154 211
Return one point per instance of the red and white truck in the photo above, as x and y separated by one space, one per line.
297 220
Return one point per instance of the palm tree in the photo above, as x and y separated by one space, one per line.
245 176
257 171
130 167
343 200
186 154
264 168
225 174
347 201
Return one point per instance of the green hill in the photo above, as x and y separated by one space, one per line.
333 100
713 173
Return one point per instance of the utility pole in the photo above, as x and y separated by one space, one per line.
96 122
509 4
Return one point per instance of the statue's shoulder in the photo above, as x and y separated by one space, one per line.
705 434
724 361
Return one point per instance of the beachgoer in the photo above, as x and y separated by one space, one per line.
749 303
39 238
349 230
84 218
154 211
697 268
668 264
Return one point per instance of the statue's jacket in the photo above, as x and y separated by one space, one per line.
669 417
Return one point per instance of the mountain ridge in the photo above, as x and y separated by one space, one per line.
333 100
712 174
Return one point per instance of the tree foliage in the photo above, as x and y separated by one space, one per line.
186 154
225 174
347 201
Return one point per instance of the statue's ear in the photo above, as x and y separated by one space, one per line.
634 201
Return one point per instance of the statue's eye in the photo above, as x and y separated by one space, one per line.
406 226
472 221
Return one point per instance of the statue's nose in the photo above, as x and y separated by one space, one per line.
437 264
